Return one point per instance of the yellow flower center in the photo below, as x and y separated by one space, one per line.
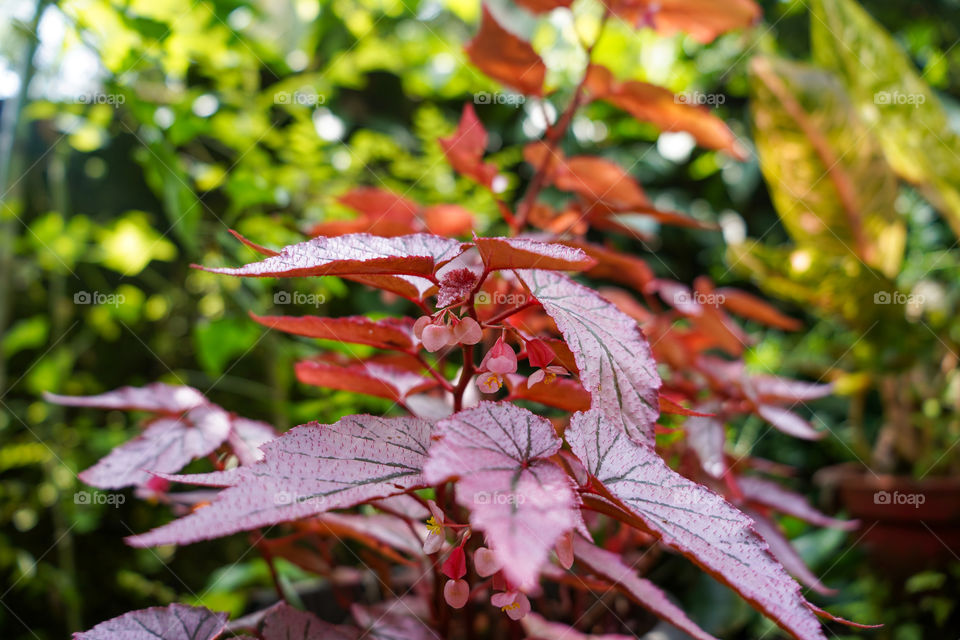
433 526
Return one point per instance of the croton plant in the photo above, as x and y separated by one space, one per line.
528 463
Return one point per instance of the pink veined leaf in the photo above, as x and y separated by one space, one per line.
643 592
389 333
691 519
383 528
166 445
788 422
354 254
523 253
381 380
309 470
776 389
707 439
771 494
283 622
174 622
246 436
612 354
783 551
521 501
392 620
156 397
539 628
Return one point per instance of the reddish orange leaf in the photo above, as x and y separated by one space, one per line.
751 307
448 220
521 253
616 266
704 20
388 333
650 103
465 148
373 379
380 203
562 393
506 58
543 6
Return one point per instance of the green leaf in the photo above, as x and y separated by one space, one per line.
894 100
828 178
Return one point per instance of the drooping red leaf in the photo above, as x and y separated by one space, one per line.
691 519
784 552
751 307
465 148
707 438
539 628
542 6
381 380
616 266
562 393
448 220
660 106
376 203
309 470
174 622
612 355
156 397
771 494
788 422
377 226
411 287
601 182
643 592
355 254
506 58
522 253
262 250
166 445
520 500
246 436
774 389
704 20
375 529
670 406
389 333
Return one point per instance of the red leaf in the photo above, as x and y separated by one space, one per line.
264 251
783 551
771 494
283 622
520 500
522 253
669 406
174 622
156 397
388 333
465 148
166 445
788 422
506 58
613 357
384 381
410 287
616 266
702 19
771 389
355 254
562 393
650 103
380 203
753 308
691 519
309 470
448 220
539 628
643 592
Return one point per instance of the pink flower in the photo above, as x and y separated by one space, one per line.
539 353
435 537
436 337
456 593
500 359
513 603
467 331
546 375
564 549
489 382
485 562
455 566
420 325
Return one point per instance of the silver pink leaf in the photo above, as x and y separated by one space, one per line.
174 622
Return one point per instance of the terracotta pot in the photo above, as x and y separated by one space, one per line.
906 524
